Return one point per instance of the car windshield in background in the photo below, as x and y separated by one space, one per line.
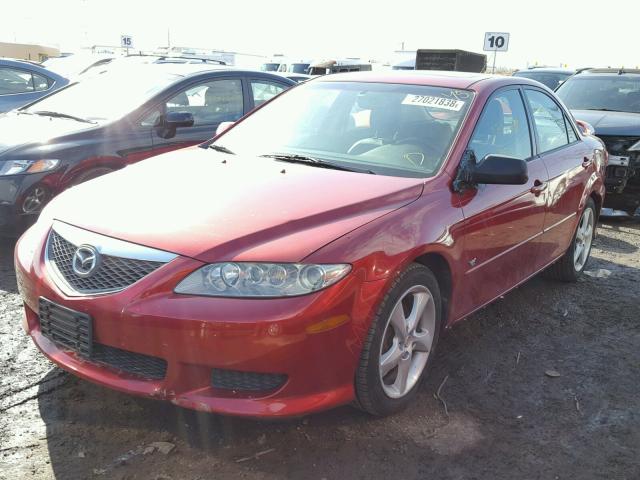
108 96
389 129
551 80
299 68
616 93
269 67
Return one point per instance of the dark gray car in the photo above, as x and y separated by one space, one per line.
23 82
551 77
609 99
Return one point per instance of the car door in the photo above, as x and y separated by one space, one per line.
211 102
503 223
569 162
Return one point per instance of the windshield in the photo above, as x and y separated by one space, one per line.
105 97
402 130
270 67
620 93
74 64
298 67
550 79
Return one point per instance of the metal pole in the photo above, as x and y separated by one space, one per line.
493 70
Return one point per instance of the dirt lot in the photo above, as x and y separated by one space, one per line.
506 417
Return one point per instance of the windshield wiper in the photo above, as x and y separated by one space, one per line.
62 115
306 160
220 148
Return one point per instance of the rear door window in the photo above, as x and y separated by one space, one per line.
571 134
263 90
14 81
40 83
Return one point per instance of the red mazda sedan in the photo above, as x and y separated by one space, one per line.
312 254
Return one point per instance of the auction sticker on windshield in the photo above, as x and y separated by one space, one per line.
435 102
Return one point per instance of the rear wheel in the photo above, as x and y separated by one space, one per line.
572 263
400 343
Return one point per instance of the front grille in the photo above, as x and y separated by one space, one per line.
146 366
112 274
246 381
67 328
619 146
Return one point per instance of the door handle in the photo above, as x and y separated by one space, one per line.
586 162
539 187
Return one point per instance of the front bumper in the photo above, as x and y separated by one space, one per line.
623 188
313 340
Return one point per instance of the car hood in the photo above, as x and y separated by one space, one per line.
17 129
213 206
611 123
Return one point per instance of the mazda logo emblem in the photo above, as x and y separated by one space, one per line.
85 261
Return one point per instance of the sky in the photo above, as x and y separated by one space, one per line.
544 32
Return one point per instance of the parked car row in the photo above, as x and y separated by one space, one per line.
309 255
550 77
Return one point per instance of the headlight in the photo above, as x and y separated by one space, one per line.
15 167
635 147
241 279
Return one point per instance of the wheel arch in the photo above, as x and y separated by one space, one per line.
597 199
440 267
84 166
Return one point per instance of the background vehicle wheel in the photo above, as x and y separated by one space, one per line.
569 267
400 344
91 174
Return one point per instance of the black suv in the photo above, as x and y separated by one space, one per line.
609 99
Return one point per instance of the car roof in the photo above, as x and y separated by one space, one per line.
186 69
180 69
434 78
18 62
611 71
546 70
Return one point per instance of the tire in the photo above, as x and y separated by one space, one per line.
91 174
567 268
379 394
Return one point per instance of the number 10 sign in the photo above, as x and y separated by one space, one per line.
496 42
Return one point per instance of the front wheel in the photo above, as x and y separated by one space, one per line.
400 343
569 267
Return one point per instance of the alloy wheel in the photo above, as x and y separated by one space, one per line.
584 237
407 341
34 201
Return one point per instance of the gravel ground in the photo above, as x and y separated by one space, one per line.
506 418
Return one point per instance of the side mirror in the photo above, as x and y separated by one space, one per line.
585 127
223 127
499 170
492 170
178 119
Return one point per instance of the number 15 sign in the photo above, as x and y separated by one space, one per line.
496 42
